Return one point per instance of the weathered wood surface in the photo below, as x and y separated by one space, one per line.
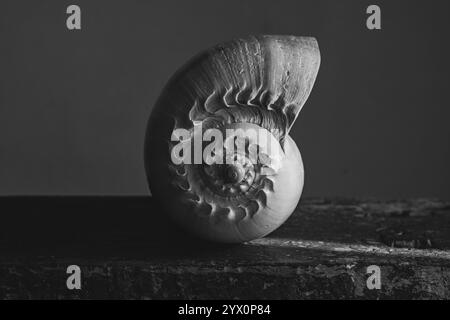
126 249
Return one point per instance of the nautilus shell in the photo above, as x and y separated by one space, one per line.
248 184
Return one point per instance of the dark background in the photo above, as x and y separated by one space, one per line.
74 104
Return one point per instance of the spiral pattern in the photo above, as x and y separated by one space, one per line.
234 189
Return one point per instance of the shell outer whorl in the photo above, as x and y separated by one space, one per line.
260 79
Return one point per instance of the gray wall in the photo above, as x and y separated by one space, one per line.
74 105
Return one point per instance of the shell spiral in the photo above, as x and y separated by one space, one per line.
251 85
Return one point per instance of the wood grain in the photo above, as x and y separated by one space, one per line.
127 250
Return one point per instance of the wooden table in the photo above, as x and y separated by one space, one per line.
126 249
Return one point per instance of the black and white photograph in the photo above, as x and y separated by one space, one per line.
221 157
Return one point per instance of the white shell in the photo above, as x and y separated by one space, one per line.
256 83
